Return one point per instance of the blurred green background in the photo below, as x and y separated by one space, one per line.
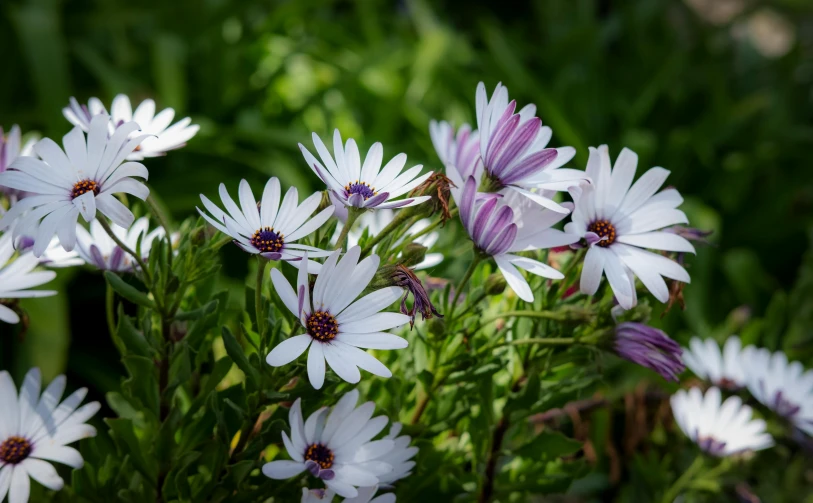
717 91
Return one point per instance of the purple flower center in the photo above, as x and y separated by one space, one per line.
359 188
322 326
604 229
267 240
711 445
14 449
83 187
320 454
785 407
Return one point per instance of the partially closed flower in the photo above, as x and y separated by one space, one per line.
17 277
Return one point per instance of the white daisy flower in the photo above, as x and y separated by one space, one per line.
719 428
81 179
98 249
513 150
336 326
162 137
501 227
336 445
784 387
317 495
723 368
17 276
268 227
35 430
619 221
364 185
376 221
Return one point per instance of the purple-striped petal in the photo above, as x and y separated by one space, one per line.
524 137
531 165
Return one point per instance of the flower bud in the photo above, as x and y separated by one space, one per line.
649 347
413 254
436 327
495 284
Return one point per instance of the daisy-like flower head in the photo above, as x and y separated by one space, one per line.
36 430
503 226
162 137
513 150
17 276
268 227
336 445
618 219
336 326
782 386
10 148
650 348
719 428
376 221
81 179
723 368
98 249
364 185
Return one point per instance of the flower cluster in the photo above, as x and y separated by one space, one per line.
726 428
340 260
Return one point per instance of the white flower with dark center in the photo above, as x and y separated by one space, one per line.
336 445
36 430
723 368
98 249
501 227
784 387
514 154
17 276
162 137
618 221
364 185
268 227
719 428
336 324
375 222
11 149
80 180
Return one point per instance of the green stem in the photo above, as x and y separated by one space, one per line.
425 231
110 298
158 213
120 243
352 215
463 282
684 480
394 224
258 295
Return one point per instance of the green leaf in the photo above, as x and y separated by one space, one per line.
238 356
208 308
549 445
122 432
133 339
127 291
143 382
